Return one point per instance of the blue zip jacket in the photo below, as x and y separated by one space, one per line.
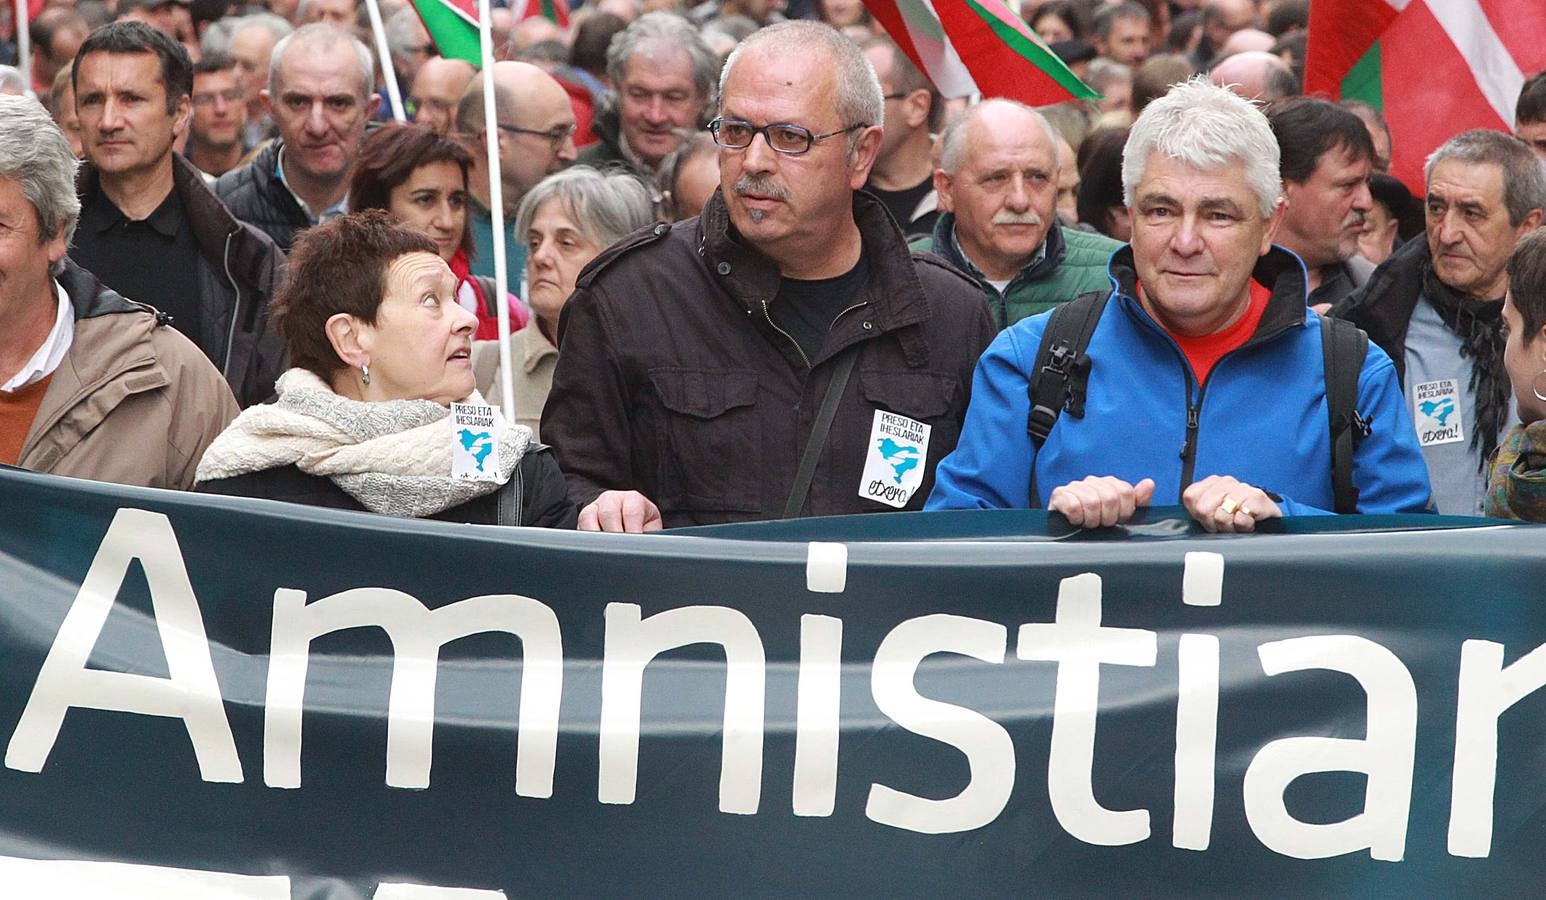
1260 416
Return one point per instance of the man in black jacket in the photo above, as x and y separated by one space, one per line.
320 96
782 354
149 227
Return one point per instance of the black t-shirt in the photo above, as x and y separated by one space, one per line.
806 309
154 260
902 203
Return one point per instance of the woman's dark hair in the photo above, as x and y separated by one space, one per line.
1064 10
1527 281
339 266
1100 177
390 154
1389 192
591 39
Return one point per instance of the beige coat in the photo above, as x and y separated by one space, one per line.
133 401
534 357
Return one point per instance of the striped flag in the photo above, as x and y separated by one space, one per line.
1434 67
970 47
453 24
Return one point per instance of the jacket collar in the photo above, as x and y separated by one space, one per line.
894 296
946 246
92 298
1278 270
209 219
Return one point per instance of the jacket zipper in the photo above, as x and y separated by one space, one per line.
798 349
236 307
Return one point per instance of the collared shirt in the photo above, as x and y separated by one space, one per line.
1036 258
154 260
51 352
337 209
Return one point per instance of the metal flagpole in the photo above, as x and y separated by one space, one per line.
496 204
23 43
384 53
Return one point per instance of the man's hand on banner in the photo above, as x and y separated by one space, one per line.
1222 503
628 511
1100 501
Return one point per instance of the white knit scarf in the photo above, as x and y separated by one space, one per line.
393 456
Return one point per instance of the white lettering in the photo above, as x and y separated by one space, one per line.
1487 689
818 715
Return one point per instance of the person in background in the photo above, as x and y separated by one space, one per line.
1382 231
688 177
436 89
408 44
420 178
1516 478
150 228
56 35
320 94
61 105
903 176
381 350
1530 114
1379 131
998 185
338 13
1121 33
1256 75
1056 20
1155 75
91 384
219 115
252 45
1100 184
568 219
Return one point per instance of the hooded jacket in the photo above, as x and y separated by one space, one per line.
239 269
133 401
1260 416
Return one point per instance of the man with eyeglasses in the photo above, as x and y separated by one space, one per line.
536 139
437 88
219 115
320 93
782 354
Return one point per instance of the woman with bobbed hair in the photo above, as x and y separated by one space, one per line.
381 350
1056 20
566 220
1516 485
420 178
1100 200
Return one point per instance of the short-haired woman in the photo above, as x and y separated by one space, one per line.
1517 483
421 179
566 220
381 350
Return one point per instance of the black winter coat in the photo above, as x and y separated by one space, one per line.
255 195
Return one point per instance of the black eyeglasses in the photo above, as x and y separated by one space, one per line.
897 96
556 136
738 134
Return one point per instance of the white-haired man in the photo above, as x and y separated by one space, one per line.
1204 345
91 384
706 366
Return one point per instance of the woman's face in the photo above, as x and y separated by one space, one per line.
1525 358
557 249
1051 28
433 200
420 347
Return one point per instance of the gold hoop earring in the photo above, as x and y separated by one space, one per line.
1535 386
365 373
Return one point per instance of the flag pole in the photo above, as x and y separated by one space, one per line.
496 204
384 53
23 43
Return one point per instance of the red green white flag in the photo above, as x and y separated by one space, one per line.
453 24
970 47
1435 68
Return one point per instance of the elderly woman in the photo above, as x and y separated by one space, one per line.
567 219
1517 483
421 179
381 350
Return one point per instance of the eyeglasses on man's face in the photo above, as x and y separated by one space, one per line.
738 134
556 136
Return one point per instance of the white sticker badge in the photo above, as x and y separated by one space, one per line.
893 463
475 441
1436 412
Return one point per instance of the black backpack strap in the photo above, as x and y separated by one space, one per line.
842 368
1061 370
1344 346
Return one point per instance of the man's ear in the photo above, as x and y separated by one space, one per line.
942 187
1530 223
268 102
864 156
1274 221
351 339
917 105
181 116
371 105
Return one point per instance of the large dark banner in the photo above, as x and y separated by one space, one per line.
212 697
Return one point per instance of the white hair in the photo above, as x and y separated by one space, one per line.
952 143
36 157
859 99
402 30
321 36
606 205
1206 127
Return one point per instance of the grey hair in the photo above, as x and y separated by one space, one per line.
216 40
400 31
606 205
859 99
319 36
1103 72
1524 174
660 34
277 26
11 81
36 157
953 142
1206 127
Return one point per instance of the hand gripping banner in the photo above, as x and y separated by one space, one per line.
215 697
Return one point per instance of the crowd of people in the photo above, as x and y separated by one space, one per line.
756 266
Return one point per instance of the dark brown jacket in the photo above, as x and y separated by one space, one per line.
672 381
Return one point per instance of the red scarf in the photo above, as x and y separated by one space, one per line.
488 318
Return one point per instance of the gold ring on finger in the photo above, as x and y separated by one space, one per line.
1229 505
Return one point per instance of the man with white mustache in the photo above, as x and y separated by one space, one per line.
1327 158
998 186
